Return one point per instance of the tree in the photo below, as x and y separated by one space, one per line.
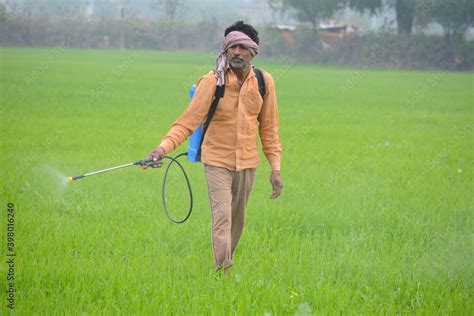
312 11
455 16
362 5
405 12
172 9
404 9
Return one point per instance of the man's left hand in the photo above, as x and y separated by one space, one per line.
277 185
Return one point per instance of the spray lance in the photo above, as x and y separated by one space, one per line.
143 163
153 164
195 142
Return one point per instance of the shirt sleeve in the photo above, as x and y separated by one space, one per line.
268 127
196 112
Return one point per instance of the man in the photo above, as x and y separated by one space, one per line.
230 149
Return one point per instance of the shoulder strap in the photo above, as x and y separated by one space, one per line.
220 90
261 81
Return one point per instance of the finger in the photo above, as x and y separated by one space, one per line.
276 192
274 188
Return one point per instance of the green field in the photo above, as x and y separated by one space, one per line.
376 215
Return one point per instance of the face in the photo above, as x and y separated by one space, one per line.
239 57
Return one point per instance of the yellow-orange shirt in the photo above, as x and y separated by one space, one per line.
231 140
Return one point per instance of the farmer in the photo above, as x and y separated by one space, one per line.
230 150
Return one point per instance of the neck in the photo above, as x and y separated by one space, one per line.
241 73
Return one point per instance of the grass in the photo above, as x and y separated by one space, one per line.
375 216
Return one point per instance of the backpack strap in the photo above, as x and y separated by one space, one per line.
261 81
220 90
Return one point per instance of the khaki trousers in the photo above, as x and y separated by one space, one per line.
228 195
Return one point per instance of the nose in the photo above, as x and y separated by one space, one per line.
236 50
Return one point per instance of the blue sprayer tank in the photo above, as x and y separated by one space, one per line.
195 138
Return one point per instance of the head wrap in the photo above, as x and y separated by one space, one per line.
232 39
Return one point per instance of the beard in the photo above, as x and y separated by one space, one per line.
238 63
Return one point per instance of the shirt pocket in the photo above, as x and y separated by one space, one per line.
252 102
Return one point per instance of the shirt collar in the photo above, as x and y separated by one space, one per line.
233 77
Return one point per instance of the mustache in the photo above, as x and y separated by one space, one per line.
235 58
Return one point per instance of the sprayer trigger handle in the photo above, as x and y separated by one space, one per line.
149 163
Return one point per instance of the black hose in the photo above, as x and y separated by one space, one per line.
175 160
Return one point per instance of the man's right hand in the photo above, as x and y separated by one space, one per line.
156 155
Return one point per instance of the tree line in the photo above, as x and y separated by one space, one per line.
27 24
455 16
